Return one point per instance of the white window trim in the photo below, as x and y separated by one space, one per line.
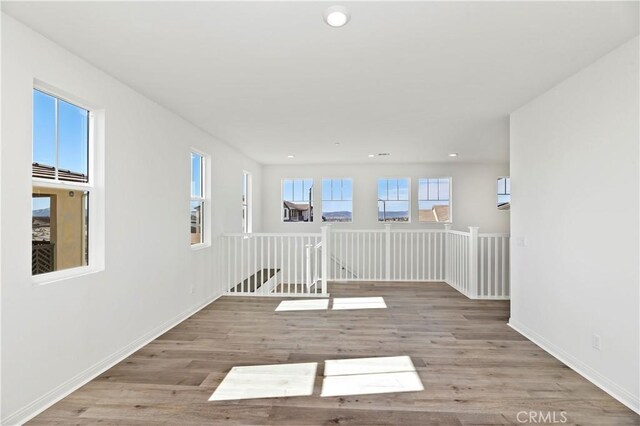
353 219
409 200
450 221
313 193
94 185
206 200
247 205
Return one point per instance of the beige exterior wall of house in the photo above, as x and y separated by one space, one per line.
68 225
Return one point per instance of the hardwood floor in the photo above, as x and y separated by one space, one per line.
475 369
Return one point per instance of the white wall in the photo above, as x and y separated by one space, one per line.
574 174
54 336
474 194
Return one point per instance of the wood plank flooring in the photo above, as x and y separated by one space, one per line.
475 369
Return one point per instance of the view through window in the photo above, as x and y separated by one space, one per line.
337 200
61 185
504 193
246 202
197 209
434 204
393 200
297 200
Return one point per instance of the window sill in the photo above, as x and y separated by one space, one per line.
200 246
65 274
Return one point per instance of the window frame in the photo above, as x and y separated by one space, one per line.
507 205
450 221
247 202
94 186
322 200
311 201
409 200
204 198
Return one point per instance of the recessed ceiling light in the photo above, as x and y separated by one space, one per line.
336 143
291 156
371 155
453 154
336 16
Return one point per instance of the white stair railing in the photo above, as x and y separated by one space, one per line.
274 264
475 264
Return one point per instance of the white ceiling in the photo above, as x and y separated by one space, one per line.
415 79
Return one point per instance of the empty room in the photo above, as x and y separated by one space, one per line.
318 212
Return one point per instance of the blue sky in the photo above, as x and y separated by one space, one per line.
504 190
296 190
72 127
40 203
396 194
72 133
196 175
337 195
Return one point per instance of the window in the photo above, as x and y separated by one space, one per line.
434 203
246 202
62 185
504 193
337 200
198 199
297 200
393 200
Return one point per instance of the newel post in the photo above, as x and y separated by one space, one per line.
473 261
387 251
325 258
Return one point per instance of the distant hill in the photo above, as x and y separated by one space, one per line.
393 215
41 213
335 215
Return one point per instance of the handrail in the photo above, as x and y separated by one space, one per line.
428 231
272 234
466 234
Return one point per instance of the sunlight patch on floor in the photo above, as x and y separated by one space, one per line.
342 303
387 364
365 376
303 305
267 381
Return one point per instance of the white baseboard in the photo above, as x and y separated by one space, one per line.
622 395
48 399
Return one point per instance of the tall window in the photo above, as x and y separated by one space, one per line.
246 202
337 200
198 200
434 203
61 186
504 193
394 200
297 200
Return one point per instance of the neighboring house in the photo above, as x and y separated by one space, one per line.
196 221
436 214
59 231
294 212
48 172
441 213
